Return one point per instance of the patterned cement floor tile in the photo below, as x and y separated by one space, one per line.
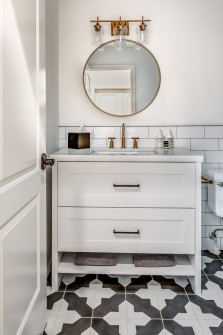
77 304
143 305
80 281
68 326
138 283
152 327
175 306
129 305
109 305
104 328
50 325
209 254
112 283
183 327
212 327
54 301
170 284
205 308
212 267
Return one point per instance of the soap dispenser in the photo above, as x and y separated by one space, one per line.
170 138
159 139
168 141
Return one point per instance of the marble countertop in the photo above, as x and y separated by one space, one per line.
119 155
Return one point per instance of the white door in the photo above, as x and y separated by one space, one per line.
22 182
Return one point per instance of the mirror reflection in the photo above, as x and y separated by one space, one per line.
121 82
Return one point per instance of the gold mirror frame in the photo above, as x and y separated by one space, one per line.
150 102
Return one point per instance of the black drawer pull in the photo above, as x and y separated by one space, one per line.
120 185
137 232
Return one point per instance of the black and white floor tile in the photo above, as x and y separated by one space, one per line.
138 305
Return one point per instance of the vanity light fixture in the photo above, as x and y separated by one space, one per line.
98 33
120 29
142 32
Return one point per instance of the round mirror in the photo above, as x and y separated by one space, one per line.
121 82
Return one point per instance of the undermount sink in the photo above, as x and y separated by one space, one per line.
146 151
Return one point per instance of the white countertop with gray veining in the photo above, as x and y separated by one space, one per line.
127 155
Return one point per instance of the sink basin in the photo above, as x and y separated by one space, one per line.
146 151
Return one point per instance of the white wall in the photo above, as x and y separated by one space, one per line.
186 38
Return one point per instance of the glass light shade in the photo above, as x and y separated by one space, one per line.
98 37
142 35
120 41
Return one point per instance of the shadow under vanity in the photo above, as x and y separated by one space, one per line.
93 202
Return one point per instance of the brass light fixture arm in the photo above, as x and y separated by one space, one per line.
119 24
120 19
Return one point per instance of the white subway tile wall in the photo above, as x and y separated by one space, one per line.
207 140
190 132
204 144
153 131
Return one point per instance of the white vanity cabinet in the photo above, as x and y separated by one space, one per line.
126 205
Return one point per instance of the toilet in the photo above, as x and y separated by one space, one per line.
215 191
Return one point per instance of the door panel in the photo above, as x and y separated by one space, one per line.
21 264
19 89
22 183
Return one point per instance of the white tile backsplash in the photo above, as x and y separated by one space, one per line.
220 144
62 133
208 244
207 140
209 219
208 166
71 130
153 131
98 143
182 143
203 231
214 156
147 143
204 144
62 144
213 131
203 206
204 192
207 210
141 132
190 132
105 132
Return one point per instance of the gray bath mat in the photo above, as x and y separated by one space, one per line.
153 260
95 258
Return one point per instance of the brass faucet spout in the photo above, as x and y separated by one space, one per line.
123 136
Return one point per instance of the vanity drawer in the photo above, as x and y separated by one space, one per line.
126 184
124 230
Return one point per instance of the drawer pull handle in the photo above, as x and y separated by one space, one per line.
120 185
137 232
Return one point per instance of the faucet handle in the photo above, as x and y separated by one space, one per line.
111 143
135 143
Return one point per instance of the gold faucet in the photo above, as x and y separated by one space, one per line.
123 136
